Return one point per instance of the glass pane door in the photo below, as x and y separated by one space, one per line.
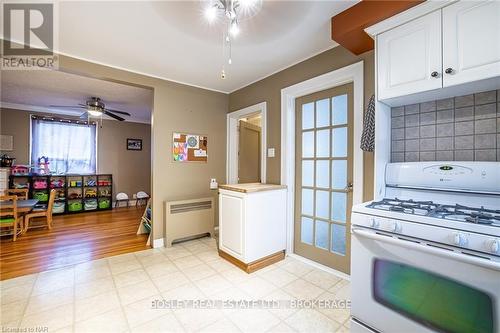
323 176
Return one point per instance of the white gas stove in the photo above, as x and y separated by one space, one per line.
431 244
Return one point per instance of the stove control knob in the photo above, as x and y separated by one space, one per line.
494 246
374 223
459 239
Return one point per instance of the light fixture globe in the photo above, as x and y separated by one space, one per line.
95 113
210 13
234 30
95 107
234 12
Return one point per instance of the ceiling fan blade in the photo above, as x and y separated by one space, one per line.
120 112
66 106
113 115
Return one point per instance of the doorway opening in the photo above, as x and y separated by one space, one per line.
246 145
249 138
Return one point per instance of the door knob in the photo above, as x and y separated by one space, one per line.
448 70
434 74
348 188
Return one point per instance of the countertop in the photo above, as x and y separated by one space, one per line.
251 187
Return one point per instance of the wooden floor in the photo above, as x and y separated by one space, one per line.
73 239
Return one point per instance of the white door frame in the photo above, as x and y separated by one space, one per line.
352 73
232 141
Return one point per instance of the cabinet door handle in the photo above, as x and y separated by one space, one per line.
434 74
448 70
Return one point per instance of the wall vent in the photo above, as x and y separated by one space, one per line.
189 207
188 218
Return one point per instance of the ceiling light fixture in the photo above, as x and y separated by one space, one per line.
234 11
94 111
211 13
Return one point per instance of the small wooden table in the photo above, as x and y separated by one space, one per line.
26 206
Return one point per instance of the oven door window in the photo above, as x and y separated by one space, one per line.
432 300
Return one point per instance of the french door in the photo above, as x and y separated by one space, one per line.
323 181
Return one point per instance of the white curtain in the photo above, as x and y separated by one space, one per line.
70 147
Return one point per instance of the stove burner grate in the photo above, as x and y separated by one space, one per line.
449 212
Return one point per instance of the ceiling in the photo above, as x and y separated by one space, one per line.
37 90
172 40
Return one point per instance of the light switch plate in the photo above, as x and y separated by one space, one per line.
270 152
213 184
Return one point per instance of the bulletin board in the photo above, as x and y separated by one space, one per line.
189 148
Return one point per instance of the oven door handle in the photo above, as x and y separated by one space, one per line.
427 249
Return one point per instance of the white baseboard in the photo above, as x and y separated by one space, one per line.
320 266
131 203
158 243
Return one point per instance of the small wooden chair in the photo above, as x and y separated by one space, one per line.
9 216
47 213
21 193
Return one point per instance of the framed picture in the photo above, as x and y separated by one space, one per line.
134 144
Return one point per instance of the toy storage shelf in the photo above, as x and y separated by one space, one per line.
75 193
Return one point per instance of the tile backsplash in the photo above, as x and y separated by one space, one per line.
464 128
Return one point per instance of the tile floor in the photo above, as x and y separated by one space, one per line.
116 295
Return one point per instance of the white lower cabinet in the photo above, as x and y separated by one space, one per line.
252 223
471 41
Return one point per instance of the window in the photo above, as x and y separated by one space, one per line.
70 147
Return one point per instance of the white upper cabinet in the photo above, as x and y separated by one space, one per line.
438 49
409 57
471 41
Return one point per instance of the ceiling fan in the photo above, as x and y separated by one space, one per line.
96 108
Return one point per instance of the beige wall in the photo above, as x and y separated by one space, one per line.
184 108
269 90
178 108
131 169
17 124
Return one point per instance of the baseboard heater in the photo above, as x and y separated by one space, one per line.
188 218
